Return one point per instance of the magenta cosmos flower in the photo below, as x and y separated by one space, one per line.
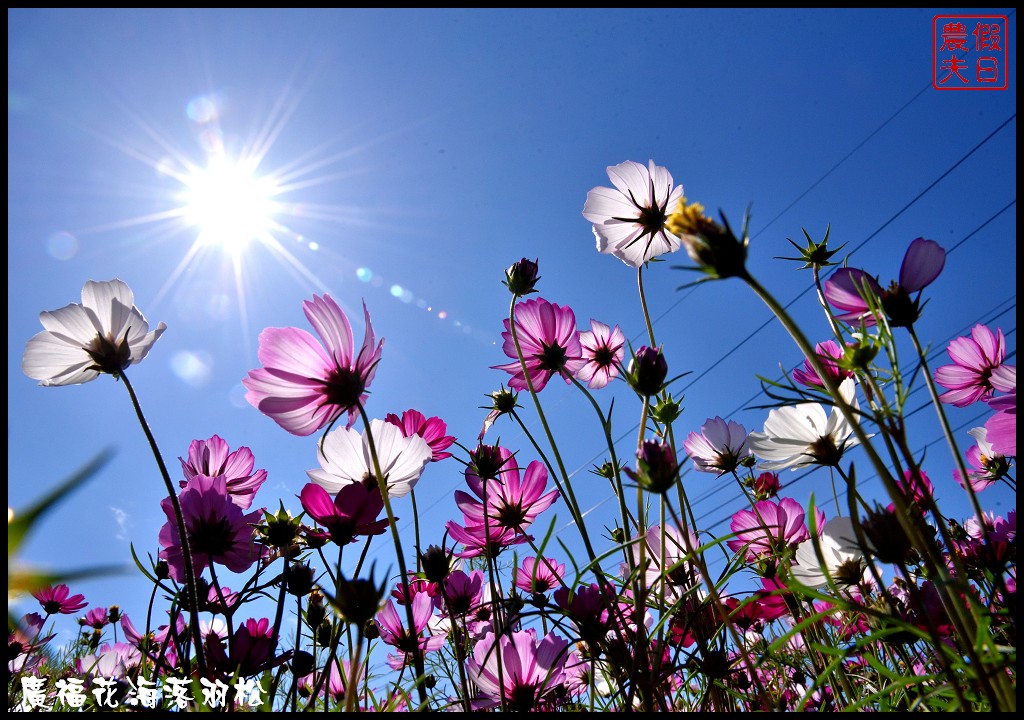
513 501
973 376
769 528
848 289
1002 427
218 531
720 446
539 575
603 350
105 334
828 352
59 600
629 220
212 458
353 511
304 386
550 343
531 670
432 430
393 633
345 458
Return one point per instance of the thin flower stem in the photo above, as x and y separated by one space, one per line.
606 427
416 526
643 304
186 551
355 659
417 653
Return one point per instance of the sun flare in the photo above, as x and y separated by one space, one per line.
229 204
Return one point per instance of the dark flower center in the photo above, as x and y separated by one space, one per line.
825 452
109 358
652 219
603 357
850 572
522 698
510 516
344 388
552 358
212 537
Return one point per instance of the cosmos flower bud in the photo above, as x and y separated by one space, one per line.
436 564
666 410
521 277
298 579
647 371
656 467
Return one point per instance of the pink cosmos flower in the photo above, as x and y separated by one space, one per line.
828 352
513 503
304 386
345 458
532 670
549 341
916 486
988 465
112 661
218 531
97 618
460 593
603 350
539 575
972 375
58 599
1002 427
720 447
352 513
393 633
629 221
252 650
105 334
432 430
212 458
848 288
668 555
769 528
487 540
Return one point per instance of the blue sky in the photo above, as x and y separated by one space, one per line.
419 153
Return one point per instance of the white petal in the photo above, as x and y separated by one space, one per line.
74 324
112 302
53 361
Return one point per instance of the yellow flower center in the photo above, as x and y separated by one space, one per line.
690 219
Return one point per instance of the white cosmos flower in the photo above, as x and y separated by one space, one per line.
801 435
105 334
841 557
345 458
629 219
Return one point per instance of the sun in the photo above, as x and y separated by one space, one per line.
229 204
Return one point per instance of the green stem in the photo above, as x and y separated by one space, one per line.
417 653
186 551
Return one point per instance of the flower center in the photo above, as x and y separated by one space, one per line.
344 387
603 357
552 358
510 516
522 697
108 357
212 538
825 452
